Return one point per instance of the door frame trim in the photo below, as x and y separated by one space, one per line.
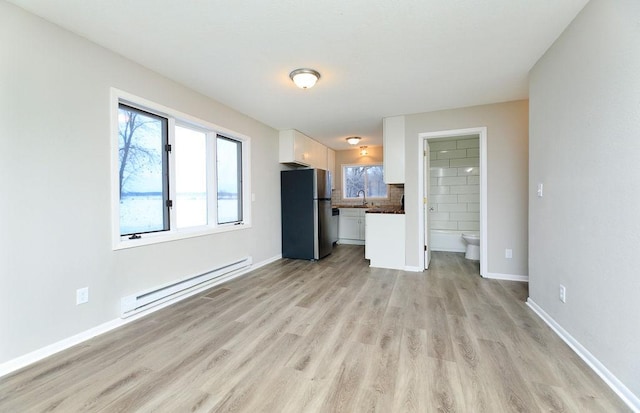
423 137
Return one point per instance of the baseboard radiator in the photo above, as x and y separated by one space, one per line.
136 303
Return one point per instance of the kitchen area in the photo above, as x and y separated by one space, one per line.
373 218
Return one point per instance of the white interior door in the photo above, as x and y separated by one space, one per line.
425 205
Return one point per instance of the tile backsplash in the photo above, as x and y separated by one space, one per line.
454 193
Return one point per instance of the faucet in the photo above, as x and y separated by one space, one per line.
364 197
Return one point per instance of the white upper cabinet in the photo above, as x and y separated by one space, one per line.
318 155
393 149
295 148
331 166
298 149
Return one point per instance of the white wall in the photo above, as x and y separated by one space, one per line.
585 148
507 141
55 186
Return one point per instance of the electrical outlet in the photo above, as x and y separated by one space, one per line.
82 295
563 293
508 253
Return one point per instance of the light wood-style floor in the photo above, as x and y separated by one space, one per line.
329 336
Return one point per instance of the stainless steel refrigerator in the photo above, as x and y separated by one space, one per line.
305 196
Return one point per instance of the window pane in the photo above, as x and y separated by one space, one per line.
191 177
376 188
229 175
353 181
143 184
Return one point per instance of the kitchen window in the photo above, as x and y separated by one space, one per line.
363 178
174 176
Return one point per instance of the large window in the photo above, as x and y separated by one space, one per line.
176 176
363 179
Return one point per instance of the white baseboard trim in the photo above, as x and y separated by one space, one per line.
413 269
350 242
265 262
44 352
612 381
506 277
444 249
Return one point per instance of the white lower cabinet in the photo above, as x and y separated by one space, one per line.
351 226
384 245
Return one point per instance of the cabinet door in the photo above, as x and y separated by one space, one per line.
331 166
294 147
301 148
349 227
393 135
319 155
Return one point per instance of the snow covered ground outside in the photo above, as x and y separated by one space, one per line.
143 213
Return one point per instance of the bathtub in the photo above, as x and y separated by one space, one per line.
448 240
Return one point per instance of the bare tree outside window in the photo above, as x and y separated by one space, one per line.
367 178
353 181
143 187
376 188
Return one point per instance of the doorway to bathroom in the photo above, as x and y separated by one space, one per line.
453 191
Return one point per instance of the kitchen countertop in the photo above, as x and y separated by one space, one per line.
350 206
385 210
373 209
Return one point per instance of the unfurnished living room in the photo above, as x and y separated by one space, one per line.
329 206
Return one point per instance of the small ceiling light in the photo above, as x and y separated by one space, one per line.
304 78
363 151
353 140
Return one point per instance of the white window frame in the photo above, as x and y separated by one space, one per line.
344 181
212 131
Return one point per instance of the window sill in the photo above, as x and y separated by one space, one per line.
121 243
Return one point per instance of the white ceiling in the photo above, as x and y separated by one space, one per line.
377 58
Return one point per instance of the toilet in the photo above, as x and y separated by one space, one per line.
473 246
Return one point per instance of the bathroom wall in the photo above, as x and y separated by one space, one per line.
455 184
353 157
507 176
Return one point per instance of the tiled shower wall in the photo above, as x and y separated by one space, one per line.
455 185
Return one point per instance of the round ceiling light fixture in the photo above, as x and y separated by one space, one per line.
353 140
304 78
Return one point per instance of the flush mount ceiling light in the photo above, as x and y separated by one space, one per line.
363 151
304 78
353 140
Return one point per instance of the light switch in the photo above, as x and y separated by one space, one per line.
540 187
